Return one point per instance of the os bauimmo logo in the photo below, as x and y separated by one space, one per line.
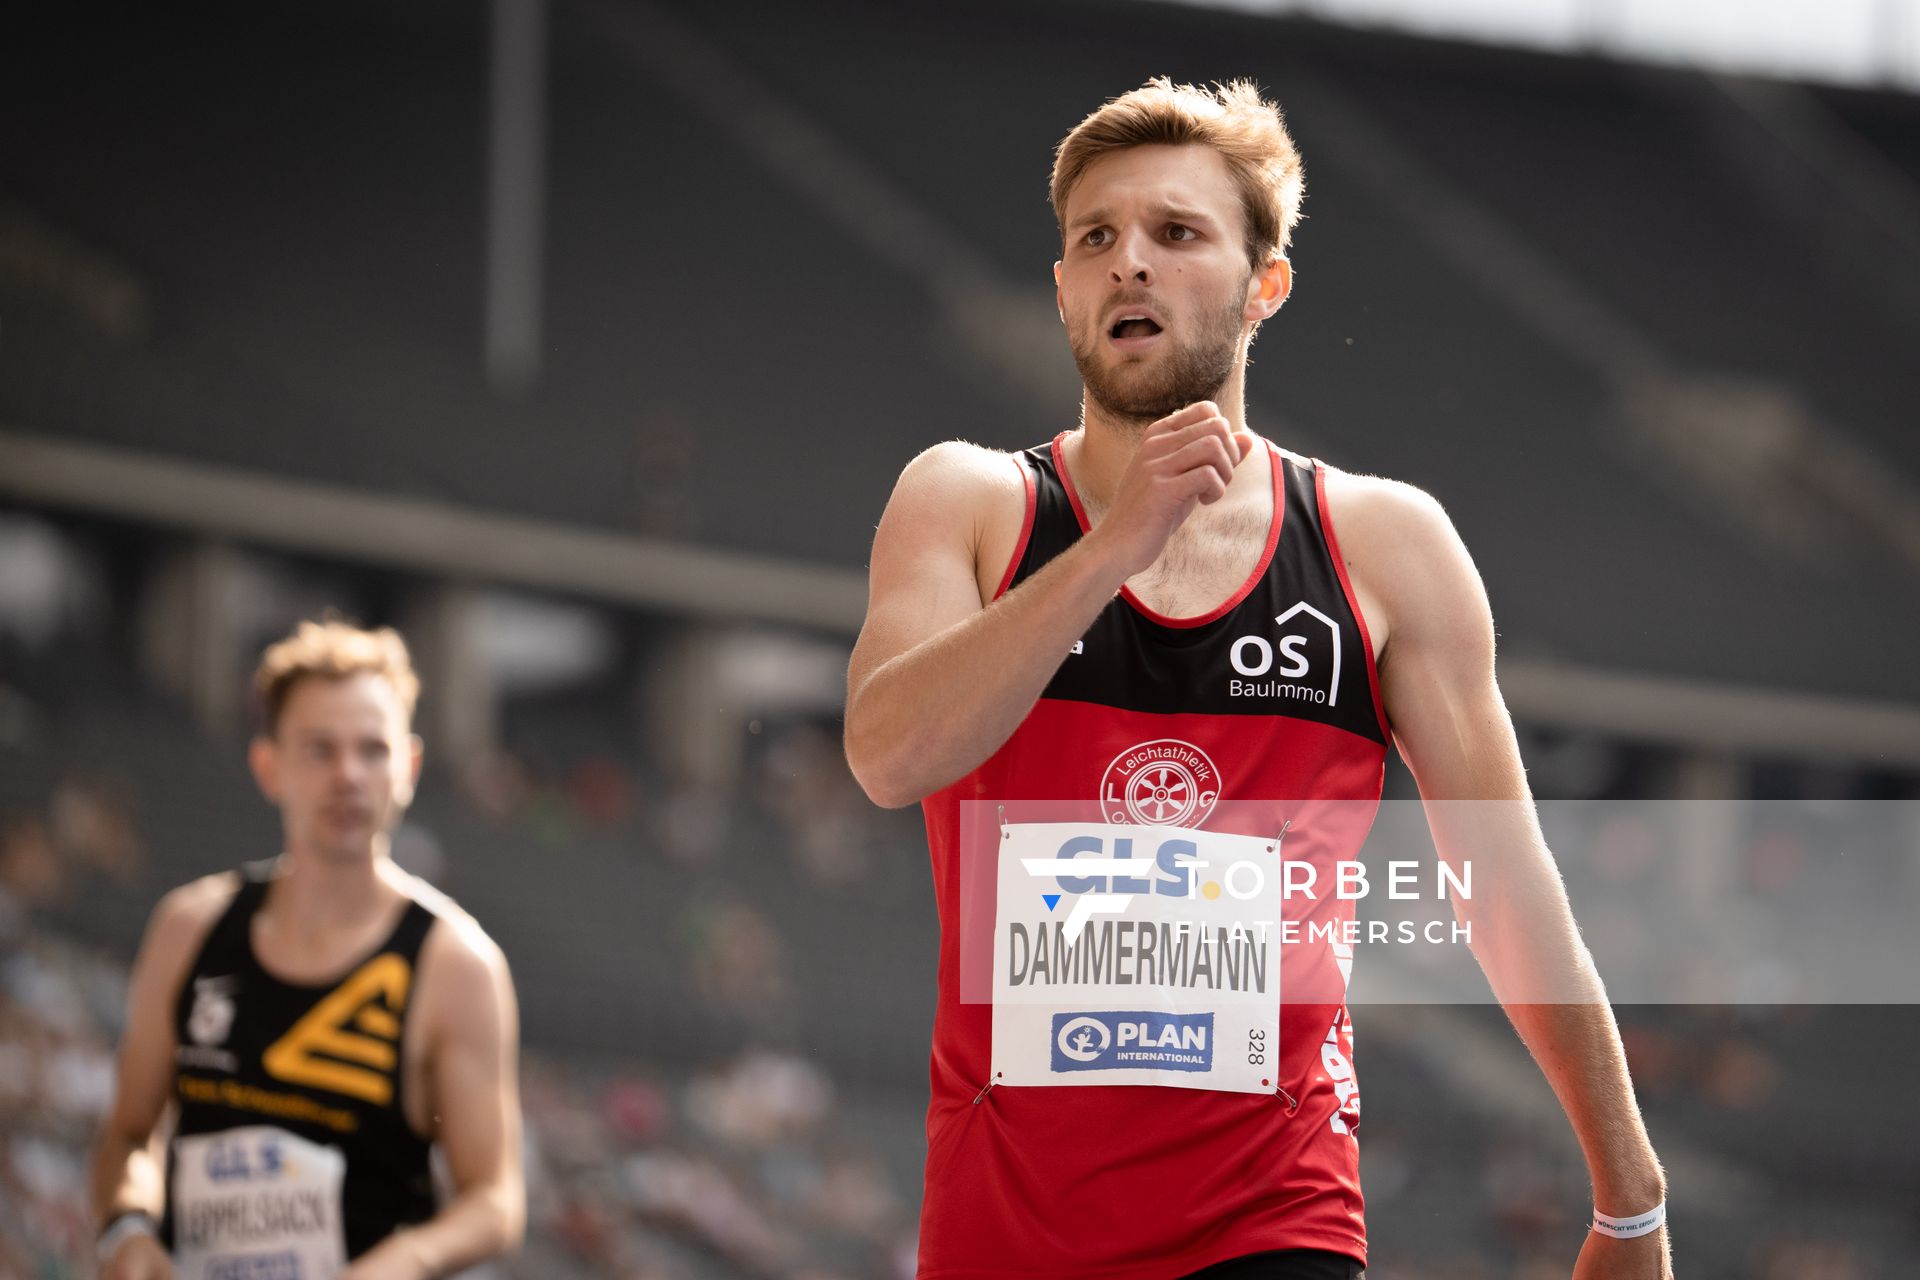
1163 783
1279 668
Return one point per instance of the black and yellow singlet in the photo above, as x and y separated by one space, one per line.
292 1152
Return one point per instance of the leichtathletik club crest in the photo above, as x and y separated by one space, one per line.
212 1015
1163 783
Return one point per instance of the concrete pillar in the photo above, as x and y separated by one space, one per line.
190 632
459 713
696 733
1708 825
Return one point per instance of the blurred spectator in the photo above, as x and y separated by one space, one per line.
91 825
759 1099
30 871
807 785
637 1113
497 785
694 824
20 727
737 958
1809 1260
601 791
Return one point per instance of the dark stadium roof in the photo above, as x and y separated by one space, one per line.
296 194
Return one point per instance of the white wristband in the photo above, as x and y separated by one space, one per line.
1640 1224
134 1222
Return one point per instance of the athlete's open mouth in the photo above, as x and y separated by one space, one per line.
1133 327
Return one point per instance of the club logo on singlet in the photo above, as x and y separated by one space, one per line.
1280 667
1163 783
212 1015
209 1023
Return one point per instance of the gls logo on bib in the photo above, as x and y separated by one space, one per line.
1289 673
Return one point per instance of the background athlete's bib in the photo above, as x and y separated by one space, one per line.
257 1203
1136 955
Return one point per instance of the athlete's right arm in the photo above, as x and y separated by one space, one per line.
940 678
126 1173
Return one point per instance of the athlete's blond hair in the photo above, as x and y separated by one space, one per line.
1232 118
332 649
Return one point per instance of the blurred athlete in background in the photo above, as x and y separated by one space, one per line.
316 1023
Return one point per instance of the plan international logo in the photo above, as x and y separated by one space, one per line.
1112 1039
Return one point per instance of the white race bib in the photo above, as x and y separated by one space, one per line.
1136 955
257 1203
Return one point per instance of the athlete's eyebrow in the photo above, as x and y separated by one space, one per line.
1171 212
1180 213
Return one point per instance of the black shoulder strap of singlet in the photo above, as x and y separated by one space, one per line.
234 921
411 933
1055 527
1299 487
226 946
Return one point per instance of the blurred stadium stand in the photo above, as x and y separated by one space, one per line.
1647 333
726 1051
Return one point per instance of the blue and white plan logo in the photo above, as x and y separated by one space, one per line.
284 1265
1110 1039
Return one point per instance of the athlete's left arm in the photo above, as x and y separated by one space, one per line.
468 1011
1453 729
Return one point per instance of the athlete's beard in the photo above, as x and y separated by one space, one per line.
1187 372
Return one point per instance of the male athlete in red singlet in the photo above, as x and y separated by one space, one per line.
1154 609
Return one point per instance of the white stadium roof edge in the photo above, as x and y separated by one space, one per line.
1862 43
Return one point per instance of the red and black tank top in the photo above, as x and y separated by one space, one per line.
1161 721
292 1140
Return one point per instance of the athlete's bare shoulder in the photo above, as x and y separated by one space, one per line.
1399 546
180 923
982 480
974 496
1372 500
464 999
456 942
190 910
960 459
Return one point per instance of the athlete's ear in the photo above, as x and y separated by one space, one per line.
1059 304
264 759
407 784
1269 289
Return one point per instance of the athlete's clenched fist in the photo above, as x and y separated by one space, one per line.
1186 458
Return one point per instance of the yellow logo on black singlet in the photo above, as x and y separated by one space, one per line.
346 1043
